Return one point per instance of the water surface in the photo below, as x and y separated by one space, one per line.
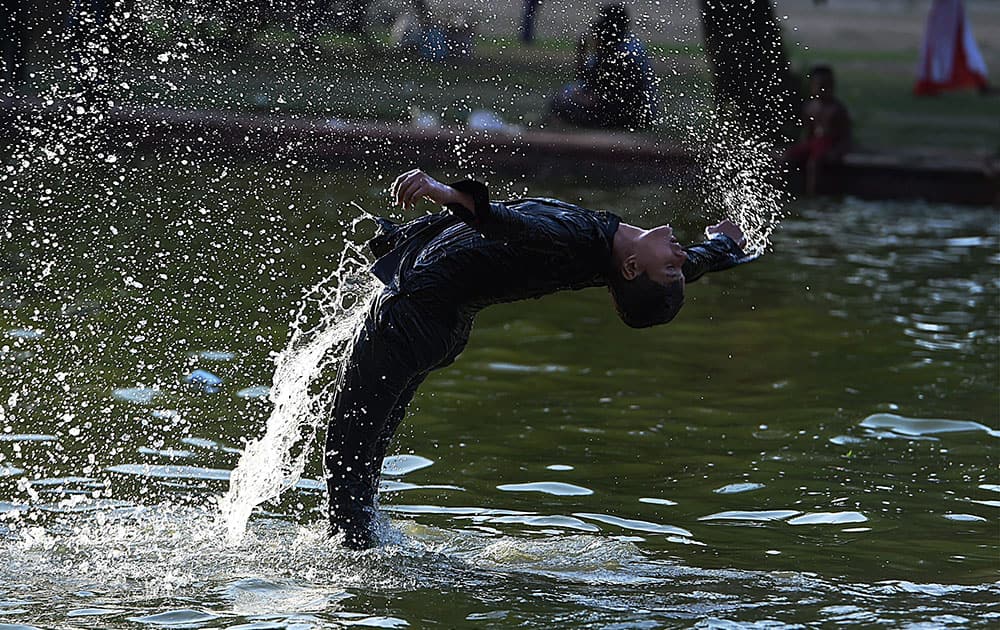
812 441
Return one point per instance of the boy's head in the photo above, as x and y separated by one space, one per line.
647 283
821 81
641 302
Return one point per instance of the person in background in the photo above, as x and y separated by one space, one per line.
528 20
433 39
950 58
826 128
615 86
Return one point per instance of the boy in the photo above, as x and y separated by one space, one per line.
439 270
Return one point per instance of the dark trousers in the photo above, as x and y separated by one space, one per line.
399 343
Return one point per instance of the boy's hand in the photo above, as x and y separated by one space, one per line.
412 186
728 228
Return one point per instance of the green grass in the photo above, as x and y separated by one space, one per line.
877 88
809 56
347 78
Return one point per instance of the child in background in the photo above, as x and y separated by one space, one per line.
826 128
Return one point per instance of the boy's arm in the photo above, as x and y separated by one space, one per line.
723 250
414 185
490 218
469 200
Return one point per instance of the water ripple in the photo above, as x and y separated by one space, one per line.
399 465
556 521
10 471
257 391
922 426
169 471
184 617
137 395
27 437
828 518
556 488
635 525
735 488
750 515
94 612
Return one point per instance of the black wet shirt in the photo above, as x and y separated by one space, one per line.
502 252
514 250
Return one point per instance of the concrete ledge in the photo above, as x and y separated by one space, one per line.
603 158
598 158
934 178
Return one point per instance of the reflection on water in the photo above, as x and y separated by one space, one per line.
903 257
914 427
813 440
284 573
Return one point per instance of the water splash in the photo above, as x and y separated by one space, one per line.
740 174
138 552
275 462
742 179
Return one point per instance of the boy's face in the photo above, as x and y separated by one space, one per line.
660 255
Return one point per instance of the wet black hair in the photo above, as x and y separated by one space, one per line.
641 302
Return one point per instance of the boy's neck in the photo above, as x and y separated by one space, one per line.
624 241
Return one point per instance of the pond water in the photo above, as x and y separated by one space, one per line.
813 441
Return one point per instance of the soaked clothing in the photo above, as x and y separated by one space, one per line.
439 271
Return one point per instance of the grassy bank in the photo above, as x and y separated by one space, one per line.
344 78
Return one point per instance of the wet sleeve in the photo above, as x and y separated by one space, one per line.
491 219
716 254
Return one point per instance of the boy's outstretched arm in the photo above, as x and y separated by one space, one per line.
722 250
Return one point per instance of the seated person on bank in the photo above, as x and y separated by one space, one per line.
421 34
826 128
439 270
615 86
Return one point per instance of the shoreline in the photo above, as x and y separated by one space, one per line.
599 157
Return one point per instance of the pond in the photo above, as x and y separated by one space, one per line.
812 441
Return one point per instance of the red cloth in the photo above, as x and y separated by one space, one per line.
950 59
811 150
